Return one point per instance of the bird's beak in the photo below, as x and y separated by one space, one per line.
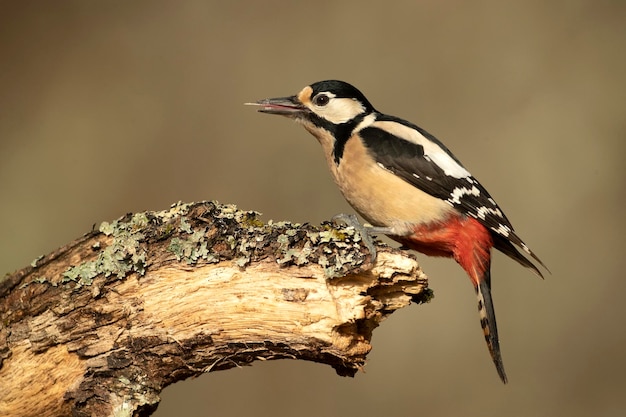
285 106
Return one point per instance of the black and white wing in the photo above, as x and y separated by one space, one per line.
424 162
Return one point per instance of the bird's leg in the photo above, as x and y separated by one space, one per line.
366 232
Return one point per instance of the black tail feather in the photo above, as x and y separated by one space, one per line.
506 247
488 323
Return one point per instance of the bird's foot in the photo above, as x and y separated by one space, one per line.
367 232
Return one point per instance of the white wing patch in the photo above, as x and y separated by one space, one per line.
443 160
432 151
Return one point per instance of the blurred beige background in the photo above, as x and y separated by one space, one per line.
108 107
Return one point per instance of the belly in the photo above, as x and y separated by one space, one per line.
381 197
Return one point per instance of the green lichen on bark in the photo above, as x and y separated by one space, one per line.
205 232
124 255
227 233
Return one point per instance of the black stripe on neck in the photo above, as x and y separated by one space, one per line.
342 133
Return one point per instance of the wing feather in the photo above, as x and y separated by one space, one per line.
410 160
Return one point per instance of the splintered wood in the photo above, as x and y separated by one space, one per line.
198 288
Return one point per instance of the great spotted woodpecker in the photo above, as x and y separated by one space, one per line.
409 186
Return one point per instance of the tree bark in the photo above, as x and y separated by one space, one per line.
102 325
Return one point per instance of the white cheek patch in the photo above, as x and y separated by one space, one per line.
339 110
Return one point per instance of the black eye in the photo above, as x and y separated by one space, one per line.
321 100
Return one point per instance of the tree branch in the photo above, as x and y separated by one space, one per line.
102 325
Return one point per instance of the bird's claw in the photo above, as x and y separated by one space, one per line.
365 231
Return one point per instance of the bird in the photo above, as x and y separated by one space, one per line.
409 186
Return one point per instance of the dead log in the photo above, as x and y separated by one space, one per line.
103 324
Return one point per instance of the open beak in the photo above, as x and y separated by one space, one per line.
285 106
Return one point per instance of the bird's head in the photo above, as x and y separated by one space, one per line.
322 103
